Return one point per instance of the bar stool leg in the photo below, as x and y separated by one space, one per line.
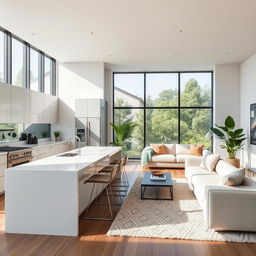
109 204
89 202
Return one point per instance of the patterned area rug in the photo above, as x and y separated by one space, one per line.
181 218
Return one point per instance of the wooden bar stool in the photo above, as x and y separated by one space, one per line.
120 183
102 178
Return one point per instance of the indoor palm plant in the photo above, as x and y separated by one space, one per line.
123 133
232 137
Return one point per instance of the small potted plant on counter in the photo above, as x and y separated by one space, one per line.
57 135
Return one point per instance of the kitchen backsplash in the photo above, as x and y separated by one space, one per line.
12 132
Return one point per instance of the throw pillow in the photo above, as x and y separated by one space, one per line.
196 150
182 149
233 179
159 148
211 161
205 154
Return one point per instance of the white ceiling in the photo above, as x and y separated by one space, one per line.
137 34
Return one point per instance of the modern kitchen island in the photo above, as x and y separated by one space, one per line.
47 196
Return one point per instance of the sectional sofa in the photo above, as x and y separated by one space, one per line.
225 207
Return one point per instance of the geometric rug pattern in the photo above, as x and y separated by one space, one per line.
181 218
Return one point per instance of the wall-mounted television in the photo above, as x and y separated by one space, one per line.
253 124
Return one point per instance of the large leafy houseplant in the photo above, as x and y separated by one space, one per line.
123 133
233 138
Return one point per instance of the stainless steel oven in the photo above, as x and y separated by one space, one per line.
17 155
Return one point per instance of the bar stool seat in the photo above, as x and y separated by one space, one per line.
99 178
102 179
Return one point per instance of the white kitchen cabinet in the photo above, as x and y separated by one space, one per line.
93 107
5 103
43 108
50 150
20 105
88 107
36 107
50 109
81 106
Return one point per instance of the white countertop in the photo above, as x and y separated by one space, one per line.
88 156
3 153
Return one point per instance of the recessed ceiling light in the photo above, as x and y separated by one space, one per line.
109 55
181 30
226 53
32 34
175 54
92 33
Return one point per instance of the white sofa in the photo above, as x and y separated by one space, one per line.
177 154
224 207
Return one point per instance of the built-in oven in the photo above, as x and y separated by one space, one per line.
18 161
17 155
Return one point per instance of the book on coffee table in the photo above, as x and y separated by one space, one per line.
157 177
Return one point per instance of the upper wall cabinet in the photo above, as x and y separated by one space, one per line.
5 103
20 105
43 108
88 107
50 109
36 107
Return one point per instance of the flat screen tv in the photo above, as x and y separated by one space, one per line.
253 123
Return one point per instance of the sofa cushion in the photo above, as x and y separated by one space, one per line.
196 150
223 168
233 179
200 182
182 157
211 161
170 148
164 158
192 171
182 149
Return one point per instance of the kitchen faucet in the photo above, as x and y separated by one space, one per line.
79 143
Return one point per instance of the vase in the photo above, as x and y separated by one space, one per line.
234 161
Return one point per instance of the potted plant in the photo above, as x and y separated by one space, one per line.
44 134
122 134
57 135
233 139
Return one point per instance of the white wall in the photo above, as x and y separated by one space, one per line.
248 96
76 80
226 97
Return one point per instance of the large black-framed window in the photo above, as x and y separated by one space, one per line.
24 65
168 107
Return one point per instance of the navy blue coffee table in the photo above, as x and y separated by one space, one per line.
147 182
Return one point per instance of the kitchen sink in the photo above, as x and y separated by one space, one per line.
68 155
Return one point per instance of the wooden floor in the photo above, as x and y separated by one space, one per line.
93 240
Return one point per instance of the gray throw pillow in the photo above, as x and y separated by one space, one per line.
233 179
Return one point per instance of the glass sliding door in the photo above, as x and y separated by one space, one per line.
161 126
169 107
136 143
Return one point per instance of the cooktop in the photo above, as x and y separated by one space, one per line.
9 149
